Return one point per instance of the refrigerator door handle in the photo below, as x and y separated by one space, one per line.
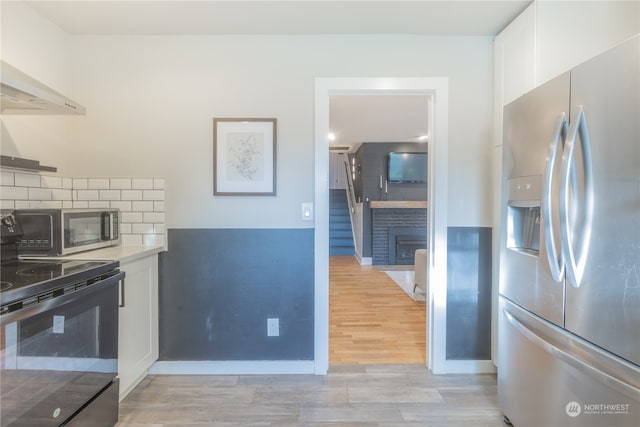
554 256
577 363
575 257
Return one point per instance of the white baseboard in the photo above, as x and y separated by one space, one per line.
258 367
367 260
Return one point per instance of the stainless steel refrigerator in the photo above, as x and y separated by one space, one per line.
569 305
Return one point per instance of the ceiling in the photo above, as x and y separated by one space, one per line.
171 17
354 119
377 118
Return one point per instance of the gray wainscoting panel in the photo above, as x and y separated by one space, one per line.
219 286
468 293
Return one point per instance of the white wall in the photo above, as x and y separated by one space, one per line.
151 101
39 48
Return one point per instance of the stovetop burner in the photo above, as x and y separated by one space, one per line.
5 285
42 270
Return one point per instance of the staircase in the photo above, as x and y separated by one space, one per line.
340 234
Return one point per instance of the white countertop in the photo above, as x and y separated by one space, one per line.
116 253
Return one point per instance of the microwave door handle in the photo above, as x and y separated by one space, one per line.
554 257
575 257
106 221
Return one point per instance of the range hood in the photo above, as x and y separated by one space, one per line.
21 94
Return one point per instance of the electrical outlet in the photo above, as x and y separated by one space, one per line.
273 327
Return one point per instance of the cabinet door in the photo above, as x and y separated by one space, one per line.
138 322
518 42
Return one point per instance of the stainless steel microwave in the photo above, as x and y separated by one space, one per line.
54 232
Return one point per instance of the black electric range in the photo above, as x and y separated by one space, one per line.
59 338
23 280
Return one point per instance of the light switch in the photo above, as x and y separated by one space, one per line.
307 211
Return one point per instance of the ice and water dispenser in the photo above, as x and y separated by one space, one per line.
523 214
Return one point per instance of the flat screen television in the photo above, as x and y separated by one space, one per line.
407 167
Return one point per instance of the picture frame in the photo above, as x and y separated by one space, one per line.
244 156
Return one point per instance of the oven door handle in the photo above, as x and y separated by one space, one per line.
122 291
41 307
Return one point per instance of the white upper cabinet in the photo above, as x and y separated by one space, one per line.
515 49
571 32
551 37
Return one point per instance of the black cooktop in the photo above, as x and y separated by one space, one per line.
20 279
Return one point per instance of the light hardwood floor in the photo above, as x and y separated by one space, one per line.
350 395
371 320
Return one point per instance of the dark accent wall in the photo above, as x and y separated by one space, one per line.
468 293
219 286
371 163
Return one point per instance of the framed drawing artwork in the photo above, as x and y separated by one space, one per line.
244 157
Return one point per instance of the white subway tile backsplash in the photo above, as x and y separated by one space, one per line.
109 194
39 194
48 204
153 217
140 200
61 194
98 183
142 206
87 195
153 195
120 183
131 194
125 228
7 205
131 240
50 182
6 178
22 204
80 183
131 217
26 180
142 183
14 193
142 228
80 204
122 205
99 204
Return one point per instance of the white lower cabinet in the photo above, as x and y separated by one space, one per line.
138 322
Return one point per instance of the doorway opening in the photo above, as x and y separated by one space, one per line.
433 89
378 154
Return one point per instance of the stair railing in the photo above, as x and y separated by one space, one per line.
351 197
355 210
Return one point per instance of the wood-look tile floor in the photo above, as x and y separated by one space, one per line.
372 320
350 395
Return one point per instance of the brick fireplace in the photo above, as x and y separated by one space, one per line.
397 233
403 243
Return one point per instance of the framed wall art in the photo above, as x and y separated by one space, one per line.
244 157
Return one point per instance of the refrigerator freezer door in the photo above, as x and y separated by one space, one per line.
548 377
531 124
604 308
